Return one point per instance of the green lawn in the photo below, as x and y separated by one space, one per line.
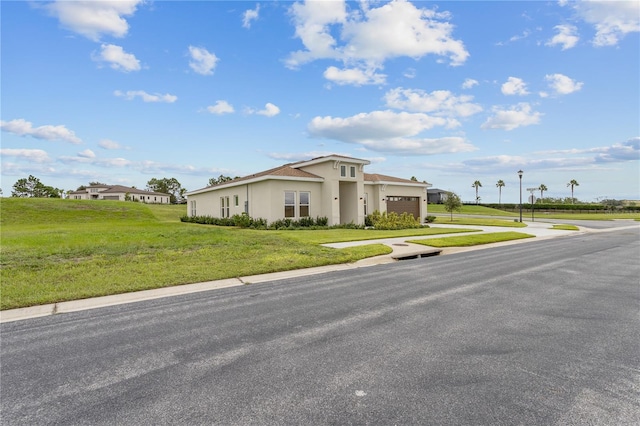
471 209
473 240
479 221
468 209
566 227
55 250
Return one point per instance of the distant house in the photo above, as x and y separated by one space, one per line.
437 196
119 193
334 186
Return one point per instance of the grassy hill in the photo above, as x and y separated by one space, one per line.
55 250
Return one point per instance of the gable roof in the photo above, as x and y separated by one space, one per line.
119 189
293 171
282 172
375 178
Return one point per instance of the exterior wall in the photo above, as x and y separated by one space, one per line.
374 198
338 198
380 192
266 199
121 196
341 202
143 198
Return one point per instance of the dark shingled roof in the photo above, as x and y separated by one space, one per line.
285 170
118 189
375 177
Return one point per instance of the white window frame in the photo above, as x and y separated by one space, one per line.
307 204
366 203
352 171
289 204
224 207
343 170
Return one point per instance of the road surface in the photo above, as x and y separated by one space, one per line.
541 333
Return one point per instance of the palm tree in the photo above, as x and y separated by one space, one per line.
476 185
542 188
573 183
500 185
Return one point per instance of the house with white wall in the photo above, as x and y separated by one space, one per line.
119 193
333 186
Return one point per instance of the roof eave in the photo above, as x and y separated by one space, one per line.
227 185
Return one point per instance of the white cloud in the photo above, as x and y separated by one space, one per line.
146 97
567 37
410 73
303 156
34 155
612 20
440 102
92 19
518 116
371 35
221 107
117 58
388 131
469 83
562 84
373 125
249 16
22 127
618 152
202 61
109 144
87 153
270 110
353 76
419 146
113 162
514 86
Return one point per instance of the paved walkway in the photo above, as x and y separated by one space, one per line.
399 246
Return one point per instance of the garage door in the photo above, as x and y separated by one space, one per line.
401 205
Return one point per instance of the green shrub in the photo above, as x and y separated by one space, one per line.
430 219
392 221
241 220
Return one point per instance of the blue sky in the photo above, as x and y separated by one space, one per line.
449 92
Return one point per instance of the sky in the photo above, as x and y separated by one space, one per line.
448 92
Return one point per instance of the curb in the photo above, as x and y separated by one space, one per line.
398 253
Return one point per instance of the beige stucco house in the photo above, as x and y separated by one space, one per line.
334 186
120 193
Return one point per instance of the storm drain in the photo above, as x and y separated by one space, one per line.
416 254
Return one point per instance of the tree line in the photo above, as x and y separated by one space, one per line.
32 187
542 188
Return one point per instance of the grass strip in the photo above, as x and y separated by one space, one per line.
479 221
472 240
566 227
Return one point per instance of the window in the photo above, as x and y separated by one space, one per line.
236 201
304 204
289 204
343 171
352 171
193 207
224 206
366 199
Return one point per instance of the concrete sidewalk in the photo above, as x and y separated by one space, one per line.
399 245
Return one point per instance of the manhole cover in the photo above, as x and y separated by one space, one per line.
399 244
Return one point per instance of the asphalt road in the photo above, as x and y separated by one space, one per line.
542 333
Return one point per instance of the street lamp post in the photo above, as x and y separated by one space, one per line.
520 172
